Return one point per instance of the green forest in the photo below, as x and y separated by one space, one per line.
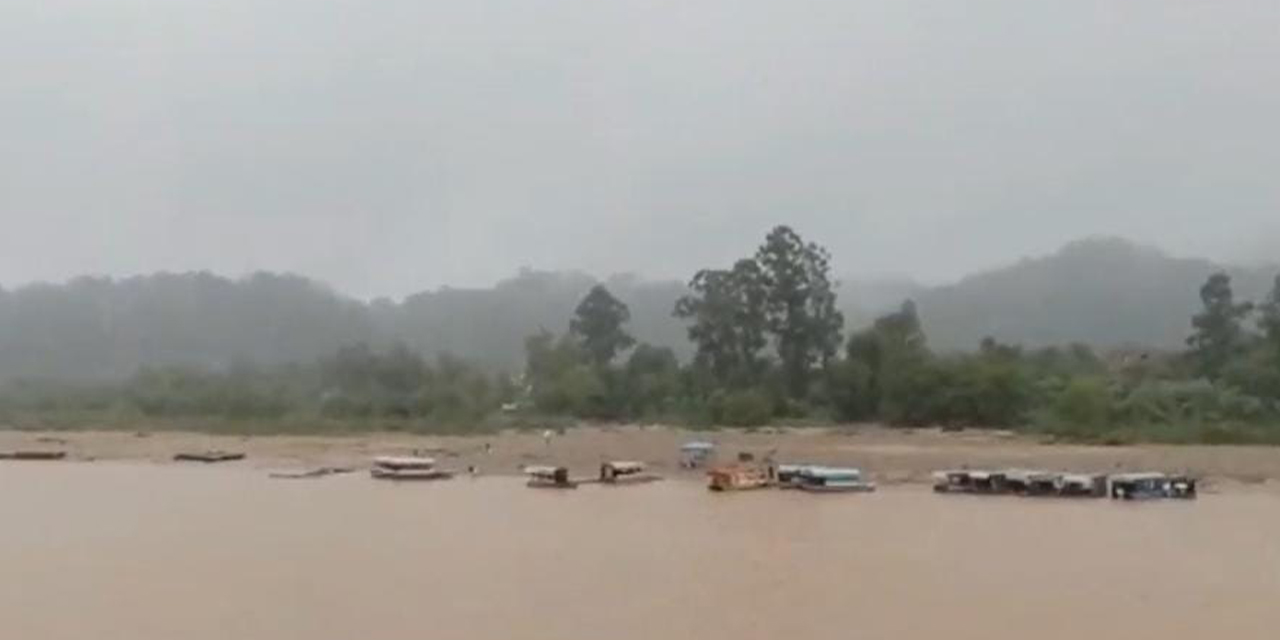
767 344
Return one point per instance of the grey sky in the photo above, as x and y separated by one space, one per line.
393 145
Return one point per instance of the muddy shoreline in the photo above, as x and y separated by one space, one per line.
888 456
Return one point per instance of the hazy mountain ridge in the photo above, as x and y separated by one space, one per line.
1102 291
1106 292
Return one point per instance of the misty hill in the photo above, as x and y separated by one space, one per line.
94 328
1104 292
489 326
97 327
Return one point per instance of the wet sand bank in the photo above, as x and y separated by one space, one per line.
888 456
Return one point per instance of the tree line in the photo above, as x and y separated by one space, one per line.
768 344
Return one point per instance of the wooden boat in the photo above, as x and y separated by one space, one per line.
788 475
740 477
623 472
1083 485
208 457
833 480
404 463
310 473
1151 485
550 478
33 455
1033 483
382 473
970 481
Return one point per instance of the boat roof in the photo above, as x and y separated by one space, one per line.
625 465
1032 474
795 467
541 470
1142 475
405 460
697 446
831 472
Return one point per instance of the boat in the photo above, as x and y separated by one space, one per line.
410 474
318 472
740 477
970 481
550 478
209 457
34 455
1151 485
788 475
1027 482
625 472
404 463
832 480
1083 485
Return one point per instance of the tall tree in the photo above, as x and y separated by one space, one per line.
801 303
1269 320
727 312
598 325
1219 333
884 357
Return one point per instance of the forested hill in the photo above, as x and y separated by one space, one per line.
1103 292
95 328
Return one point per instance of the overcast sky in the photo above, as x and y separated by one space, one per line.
387 146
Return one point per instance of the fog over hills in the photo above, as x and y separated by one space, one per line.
1103 291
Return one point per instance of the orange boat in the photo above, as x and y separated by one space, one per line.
740 478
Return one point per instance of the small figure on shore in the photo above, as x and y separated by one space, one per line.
488 449
546 438
473 470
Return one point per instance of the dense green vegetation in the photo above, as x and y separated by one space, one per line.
766 342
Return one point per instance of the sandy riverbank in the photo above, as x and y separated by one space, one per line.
890 456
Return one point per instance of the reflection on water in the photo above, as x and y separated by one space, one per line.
164 552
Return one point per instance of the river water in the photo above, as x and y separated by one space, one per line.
100 551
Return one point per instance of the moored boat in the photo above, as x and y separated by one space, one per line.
34 455
970 481
1151 485
1028 482
788 475
739 477
403 463
547 477
407 468
209 456
1083 485
625 472
833 480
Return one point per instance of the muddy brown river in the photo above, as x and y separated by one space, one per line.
151 552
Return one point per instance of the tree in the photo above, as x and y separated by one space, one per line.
728 321
877 375
1219 333
1269 321
652 379
801 305
598 326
